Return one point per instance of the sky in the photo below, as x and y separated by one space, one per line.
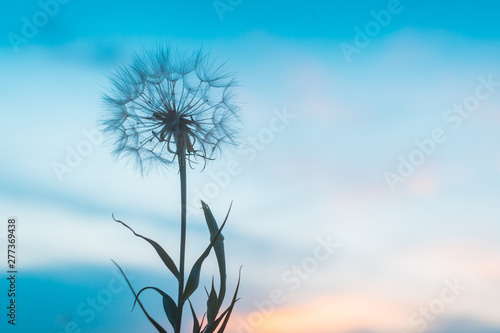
364 191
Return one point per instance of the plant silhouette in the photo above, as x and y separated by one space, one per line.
166 109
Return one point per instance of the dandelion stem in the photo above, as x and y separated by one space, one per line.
182 172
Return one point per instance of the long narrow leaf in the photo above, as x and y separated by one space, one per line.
210 328
230 308
155 324
161 252
212 308
219 252
196 323
194 277
169 305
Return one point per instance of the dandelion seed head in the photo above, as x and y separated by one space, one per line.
165 105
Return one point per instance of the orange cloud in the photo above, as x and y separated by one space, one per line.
332 314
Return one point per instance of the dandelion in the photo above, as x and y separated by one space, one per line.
164 106
165 109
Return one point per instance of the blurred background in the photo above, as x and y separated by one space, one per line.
364 192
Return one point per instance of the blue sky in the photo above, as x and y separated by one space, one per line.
346 122
295 20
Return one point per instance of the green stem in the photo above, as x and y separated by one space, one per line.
182 171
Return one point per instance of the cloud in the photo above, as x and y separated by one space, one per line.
327 314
